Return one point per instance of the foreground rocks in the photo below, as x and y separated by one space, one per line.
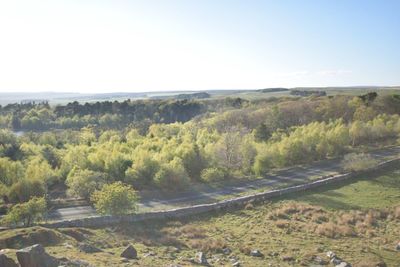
129 252
35 256
256 253
335 260
6 261
88 248
201 258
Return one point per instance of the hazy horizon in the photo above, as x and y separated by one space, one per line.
146 46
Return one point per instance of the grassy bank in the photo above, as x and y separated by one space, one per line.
359 221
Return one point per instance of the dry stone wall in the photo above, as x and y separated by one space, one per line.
100 221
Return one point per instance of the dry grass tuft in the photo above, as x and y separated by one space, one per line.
333 230
209 245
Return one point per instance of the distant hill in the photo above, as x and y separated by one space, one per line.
55 98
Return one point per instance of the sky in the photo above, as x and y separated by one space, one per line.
156 45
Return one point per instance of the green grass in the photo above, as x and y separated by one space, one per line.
283 227
366 193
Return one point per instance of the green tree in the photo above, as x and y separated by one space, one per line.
261 133
82 183
172 176
26 213
25 188
115 199
142 171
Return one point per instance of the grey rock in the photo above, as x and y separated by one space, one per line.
129 252
236 264
35 256
343 264
330 254
226 251
336 261
201 258
150 254
398 246
320 261
6 261
88 248
256 253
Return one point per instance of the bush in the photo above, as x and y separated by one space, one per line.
82 183
142 171
26 213
115 199
25 189
172 176
358 162
213 175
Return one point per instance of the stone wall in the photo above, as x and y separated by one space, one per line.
99 221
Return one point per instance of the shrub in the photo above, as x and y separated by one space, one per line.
82 183
213 175
115 199
142 171
333 230
26 213
172 176
25 189
358 162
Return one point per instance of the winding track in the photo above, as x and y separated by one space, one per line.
298 174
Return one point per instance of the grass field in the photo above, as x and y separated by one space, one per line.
357 220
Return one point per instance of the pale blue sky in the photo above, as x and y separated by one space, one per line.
106 46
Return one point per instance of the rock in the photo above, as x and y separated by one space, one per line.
35 256
129 252
226 251
343 264
330 254
201 258
150 254
256 253
398 246
320 261
88 248
336 261
6 261
236 264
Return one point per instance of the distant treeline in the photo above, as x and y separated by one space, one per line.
307 93
108 114
271 90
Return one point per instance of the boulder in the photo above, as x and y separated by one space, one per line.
343 264
35 256
6 261
83 247
129 252
336 261
236 264
201 258
226 251
330 254
320 261
256 253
